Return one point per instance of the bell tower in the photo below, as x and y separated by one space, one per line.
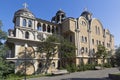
24 22
59 17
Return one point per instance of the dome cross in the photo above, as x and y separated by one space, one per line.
25 5
85 9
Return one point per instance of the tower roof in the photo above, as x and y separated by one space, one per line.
60 12
24 12
86 13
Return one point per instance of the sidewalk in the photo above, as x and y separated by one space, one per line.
86 75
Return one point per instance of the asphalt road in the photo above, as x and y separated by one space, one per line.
86 75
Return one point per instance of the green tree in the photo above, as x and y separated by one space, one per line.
1 24
67 50
101 53
5 67
117 56
49 46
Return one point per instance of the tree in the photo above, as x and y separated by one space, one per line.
1 24
5 67
52 45
101 53
117 56
68 57
49 48
67 50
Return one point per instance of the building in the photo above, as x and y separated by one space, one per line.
85 32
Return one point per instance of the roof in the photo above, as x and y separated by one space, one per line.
85 14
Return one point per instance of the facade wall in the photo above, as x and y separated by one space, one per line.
85 32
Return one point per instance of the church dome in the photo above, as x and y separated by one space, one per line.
60 12
24 12
86 14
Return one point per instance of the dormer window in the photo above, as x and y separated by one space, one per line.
24 22
30 23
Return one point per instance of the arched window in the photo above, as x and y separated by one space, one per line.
85 39
83 23
44 27
24 22
98 30
48 28
93 51
82 39
52 29
82 50
86 49
97 42
39 28
93 41
27 35
30 23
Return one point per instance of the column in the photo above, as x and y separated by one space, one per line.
41 27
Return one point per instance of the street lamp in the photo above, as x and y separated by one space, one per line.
82 51
25 58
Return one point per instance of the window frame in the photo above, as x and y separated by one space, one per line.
24 22
29 23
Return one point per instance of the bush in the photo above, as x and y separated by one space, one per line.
13 77
81 68
86 67
71 68
107 65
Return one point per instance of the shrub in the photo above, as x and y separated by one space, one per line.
86 67
71 68
14 77
107 65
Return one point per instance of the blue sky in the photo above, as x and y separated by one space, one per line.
107 11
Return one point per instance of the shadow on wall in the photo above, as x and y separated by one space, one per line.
86 79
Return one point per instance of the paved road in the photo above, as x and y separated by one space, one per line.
86 75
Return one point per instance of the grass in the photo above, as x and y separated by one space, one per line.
118 74
20 77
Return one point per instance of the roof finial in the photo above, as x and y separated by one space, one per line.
85 9
25 5
60 9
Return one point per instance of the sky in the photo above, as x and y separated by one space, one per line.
107 11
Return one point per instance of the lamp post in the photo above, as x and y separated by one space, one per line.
82 51
25 58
